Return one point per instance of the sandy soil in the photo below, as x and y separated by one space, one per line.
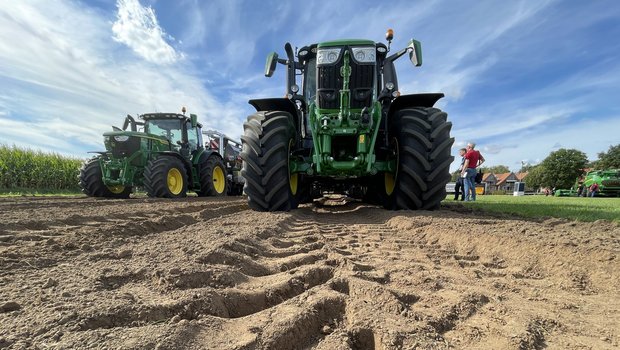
79 273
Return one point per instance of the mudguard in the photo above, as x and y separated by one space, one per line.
188 165
278 104
414 100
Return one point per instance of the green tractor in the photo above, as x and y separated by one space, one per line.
167 158
608 181
346 130
608 184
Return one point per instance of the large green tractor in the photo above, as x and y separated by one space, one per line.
167 158
346 130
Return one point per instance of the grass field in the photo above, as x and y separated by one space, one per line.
572 208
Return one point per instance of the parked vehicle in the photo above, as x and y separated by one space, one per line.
347 129
166 157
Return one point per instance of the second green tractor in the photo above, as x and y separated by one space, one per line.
166 157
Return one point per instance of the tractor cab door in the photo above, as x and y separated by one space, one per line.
193 140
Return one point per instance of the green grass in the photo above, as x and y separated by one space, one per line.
572 208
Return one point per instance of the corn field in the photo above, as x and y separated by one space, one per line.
24 169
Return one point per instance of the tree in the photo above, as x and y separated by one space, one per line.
526 167
534 178
496 169
609 159
562 167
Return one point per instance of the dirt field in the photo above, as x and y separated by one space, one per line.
78 273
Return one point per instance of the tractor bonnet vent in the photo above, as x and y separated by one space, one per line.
121 149
329 84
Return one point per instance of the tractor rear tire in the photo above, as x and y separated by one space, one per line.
165 177
267 141
213 178
421 139
91 182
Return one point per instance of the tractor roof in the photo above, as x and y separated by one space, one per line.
163 116
343 42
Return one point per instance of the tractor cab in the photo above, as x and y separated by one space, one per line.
182 133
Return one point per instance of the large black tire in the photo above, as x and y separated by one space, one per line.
267 142
165 177
92 184
421 140
213 177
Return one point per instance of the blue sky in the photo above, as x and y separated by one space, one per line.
521 78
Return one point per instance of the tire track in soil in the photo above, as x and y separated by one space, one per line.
212 274
243 276
357 294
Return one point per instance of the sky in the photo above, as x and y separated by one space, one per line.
521 78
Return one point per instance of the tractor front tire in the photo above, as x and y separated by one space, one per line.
267 141
91 182
213 177
165 177
421 139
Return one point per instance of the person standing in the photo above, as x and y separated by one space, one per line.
460 184
593 190
473 159
580 189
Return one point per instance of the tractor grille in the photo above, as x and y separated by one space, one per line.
125 148
329 83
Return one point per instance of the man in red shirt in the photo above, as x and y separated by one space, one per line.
473 159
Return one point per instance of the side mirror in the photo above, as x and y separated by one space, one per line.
270 65
415 52
194 120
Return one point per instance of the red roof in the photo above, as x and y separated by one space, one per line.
521 176
486 176
501 178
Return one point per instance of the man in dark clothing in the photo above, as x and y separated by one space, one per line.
459 186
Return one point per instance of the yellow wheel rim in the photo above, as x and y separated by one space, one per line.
118 189
390 183
292 178
175 181
219 180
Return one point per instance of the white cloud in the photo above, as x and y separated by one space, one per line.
136 26
70 79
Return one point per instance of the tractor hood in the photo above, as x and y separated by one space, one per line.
122 144
122 136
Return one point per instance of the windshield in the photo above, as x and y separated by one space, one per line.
168 128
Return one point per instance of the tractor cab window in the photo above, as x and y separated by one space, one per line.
192 137
310 81
168 128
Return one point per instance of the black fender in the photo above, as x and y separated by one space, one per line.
414 100
278 104
206 154
186 163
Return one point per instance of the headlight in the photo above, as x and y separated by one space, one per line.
364 54
327 56
121 138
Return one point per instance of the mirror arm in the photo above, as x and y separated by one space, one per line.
290 76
